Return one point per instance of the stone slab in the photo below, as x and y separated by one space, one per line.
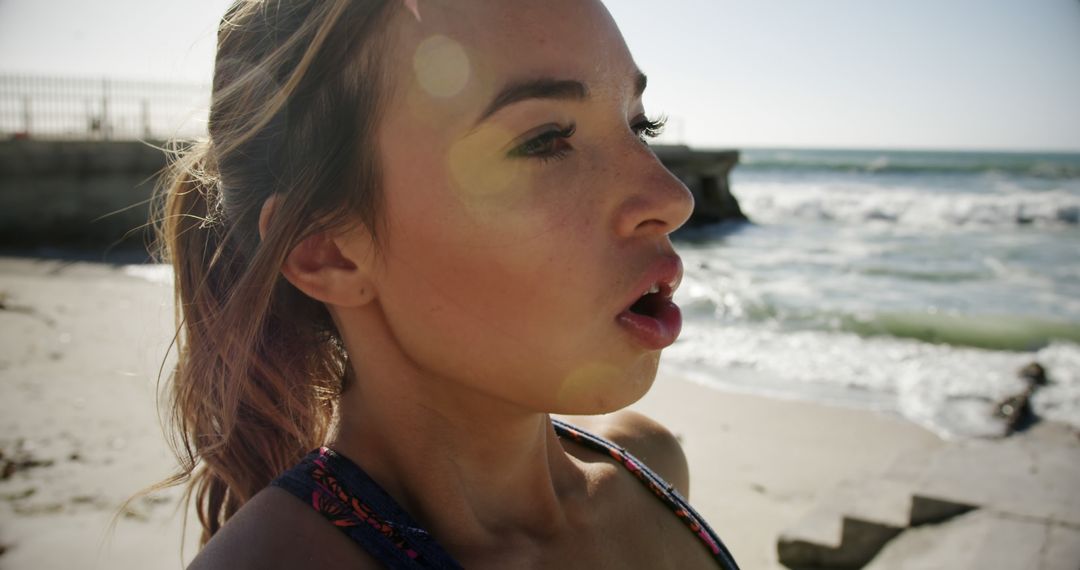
983 540
1034 475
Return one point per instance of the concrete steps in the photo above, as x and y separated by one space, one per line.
850 525
1026 489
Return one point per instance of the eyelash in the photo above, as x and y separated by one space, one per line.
648 128
538 147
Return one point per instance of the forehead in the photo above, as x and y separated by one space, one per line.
461 52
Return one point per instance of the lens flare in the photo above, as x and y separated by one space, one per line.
477 173
441 66
588 382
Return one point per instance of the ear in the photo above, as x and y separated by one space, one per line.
321 268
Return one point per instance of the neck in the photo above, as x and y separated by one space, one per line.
471 468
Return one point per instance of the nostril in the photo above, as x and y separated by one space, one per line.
653 226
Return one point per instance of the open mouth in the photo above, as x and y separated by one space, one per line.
650 304
653 320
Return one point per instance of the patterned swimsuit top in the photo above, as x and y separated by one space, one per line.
350 500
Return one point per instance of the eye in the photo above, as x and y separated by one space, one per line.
647 128
550 145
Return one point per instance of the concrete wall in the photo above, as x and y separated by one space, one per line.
91 193
97 193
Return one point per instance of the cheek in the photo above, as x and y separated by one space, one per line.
508 290
496 290
492 242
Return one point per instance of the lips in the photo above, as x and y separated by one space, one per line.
652 319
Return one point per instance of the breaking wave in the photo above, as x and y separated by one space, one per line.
1044 165
855 204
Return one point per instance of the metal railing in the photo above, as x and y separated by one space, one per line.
65 108
59 108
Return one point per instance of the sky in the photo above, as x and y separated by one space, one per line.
919 74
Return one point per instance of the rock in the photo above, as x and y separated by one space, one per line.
1016 409
1034 374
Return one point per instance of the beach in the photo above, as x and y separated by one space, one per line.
82 344
757 464
82 347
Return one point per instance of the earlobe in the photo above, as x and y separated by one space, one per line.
320 268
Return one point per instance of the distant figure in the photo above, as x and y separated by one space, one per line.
1016 409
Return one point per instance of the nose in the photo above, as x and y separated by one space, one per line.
655 201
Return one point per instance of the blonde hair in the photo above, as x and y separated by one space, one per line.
296 94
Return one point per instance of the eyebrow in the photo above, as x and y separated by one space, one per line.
547 88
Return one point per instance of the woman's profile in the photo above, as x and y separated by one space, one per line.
416 232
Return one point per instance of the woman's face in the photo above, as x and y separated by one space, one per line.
524 212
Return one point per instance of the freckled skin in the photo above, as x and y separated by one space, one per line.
506 274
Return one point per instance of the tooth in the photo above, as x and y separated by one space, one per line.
654 289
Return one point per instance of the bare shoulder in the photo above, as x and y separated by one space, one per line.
644 438
275 530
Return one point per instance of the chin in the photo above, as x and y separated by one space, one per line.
599 388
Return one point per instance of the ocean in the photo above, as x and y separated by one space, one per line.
915 283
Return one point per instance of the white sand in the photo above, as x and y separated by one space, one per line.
80 347
757 464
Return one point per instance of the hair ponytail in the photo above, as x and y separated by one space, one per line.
234 412
260 365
